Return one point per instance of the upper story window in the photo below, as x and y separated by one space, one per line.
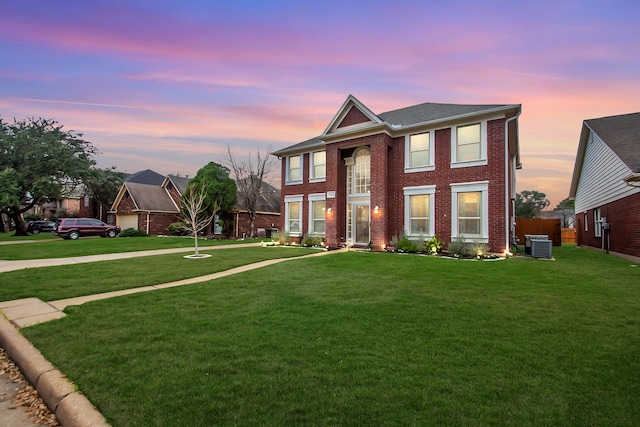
294 169
362 171
469 145
419 152
318 165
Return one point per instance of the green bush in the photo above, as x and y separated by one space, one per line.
132 232
433 245
178 229
312 240
407 245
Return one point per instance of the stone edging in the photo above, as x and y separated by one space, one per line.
71 407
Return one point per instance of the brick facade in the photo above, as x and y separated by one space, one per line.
623 235
389 179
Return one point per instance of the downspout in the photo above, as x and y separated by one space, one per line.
507 185
148 219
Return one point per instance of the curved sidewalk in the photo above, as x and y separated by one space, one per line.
50 262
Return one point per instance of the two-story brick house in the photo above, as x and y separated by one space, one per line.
443 170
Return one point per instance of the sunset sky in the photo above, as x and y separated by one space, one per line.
166 84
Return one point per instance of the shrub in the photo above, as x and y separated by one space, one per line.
282 237
132 232
433 245
178 229
407 245
312 240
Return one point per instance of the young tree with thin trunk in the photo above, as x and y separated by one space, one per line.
197 211
250 176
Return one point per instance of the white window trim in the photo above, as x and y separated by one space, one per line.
287 200
586 222
597 223
419 191
318 197
407 153
312 170
298 181
466 187
483 146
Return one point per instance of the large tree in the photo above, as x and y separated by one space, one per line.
567 209
104 185
529 204
219 188
39 162
250 176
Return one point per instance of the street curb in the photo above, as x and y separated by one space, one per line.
71 407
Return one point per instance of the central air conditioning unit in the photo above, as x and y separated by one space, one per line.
541 248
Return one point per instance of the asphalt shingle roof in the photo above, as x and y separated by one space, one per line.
413 115
622 135
151 197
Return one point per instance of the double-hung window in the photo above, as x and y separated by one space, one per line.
318 165
419 210
293 214
419 152
469 145
470 211
294 169
597 223
316 213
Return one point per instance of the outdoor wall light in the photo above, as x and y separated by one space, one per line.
376 210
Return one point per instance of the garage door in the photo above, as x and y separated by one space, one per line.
127 221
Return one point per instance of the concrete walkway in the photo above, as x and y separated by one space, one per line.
69 405
31 311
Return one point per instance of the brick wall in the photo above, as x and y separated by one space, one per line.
158 223
388 180
623 236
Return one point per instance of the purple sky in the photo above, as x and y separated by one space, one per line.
165 85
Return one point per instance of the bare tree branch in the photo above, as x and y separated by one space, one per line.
250 176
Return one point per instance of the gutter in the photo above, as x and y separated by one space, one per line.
507 198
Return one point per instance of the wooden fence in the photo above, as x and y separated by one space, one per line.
550 227
568 235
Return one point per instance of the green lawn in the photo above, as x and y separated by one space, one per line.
367 339
67 281
59 248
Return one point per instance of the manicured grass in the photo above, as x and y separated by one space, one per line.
9 237
66 281
60 248
367 339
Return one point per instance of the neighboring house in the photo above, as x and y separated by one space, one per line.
75 202
150 202
267 214
606 185
444 170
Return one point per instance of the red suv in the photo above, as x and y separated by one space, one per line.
72 228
